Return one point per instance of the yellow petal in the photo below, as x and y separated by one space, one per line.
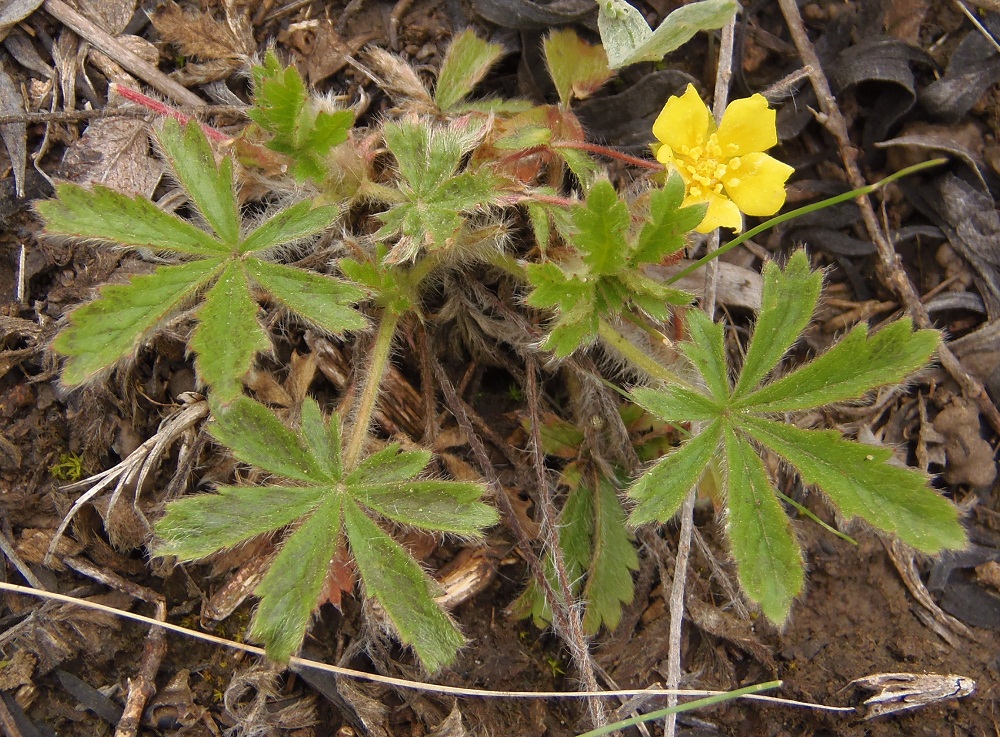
684 122
722 213
748 126
757 186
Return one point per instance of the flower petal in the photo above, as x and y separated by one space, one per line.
757 185
722 213
748 126
684 122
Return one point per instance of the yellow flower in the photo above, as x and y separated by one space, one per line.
725 167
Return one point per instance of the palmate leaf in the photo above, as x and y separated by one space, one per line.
227 334
607 278
858 478
328 506
438 198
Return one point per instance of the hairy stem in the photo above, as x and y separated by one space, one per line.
378 362
637 357
610 153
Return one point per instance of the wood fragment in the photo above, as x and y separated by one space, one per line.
113 48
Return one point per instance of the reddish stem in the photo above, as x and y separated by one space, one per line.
610 153
161 109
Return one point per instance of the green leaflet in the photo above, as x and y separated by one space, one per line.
210 187
394 579
595 545
228 334
109 216
858 478
290 589
767 557
198 526
322 300
116 324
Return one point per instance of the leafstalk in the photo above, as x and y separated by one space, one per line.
638 358
378 362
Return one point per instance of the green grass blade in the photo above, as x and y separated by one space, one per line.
861 482
609 577
292 586
394 579
768 559
301 220
256 436
466 62
228 334
209 186
106 215
197 526
689 706
446 506
660 491
322 300
787 304
857 364
114 325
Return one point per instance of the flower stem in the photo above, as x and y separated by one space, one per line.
836 199
637 357
378 362
610 153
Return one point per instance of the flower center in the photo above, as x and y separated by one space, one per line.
704 167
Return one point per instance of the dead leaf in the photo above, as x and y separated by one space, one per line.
969 455
114 152
199 34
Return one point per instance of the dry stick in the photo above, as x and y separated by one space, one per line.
76 116
573 635
723 75
561 613
431 688
892 271
109 45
